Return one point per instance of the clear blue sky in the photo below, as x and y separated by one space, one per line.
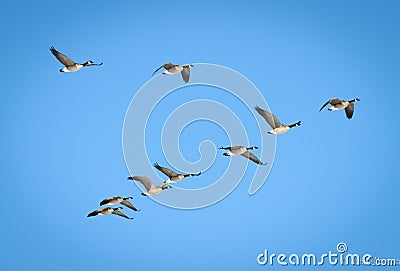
333 180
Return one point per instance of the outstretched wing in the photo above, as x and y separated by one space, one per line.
106 201
157 69
129 205
169 172
270 118
94 213
66 61
325 104
115 212
144 180
186 73
166 66
349 110
252 157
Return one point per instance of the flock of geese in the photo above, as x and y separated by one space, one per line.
174 177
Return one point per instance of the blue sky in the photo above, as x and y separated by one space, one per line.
333 180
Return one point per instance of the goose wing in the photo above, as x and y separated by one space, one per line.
169 172
325 104
271 119
108 200
129 205
252 157
166 66
66 61
333 101
144 180
186 73
157 69
349 110
115 212
94 213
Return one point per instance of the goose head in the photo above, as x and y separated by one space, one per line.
88 63
91 63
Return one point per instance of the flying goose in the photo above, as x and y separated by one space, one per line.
174 69
172 175
70 65
243 151
107 211
150 187
276 125
337 104
117 200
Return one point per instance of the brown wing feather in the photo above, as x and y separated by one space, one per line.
252 157
169 172
186 73
129 205
349 110
66 61
121 214
168 65
143 180
271 119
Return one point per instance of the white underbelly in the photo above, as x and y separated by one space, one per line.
174 70
338 107
279 130
73 68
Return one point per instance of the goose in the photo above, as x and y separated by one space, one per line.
70 65
243 151
107 211
172 175
151 189
276 125
174 69
117 200
337 104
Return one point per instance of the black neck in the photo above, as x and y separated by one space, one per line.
294 124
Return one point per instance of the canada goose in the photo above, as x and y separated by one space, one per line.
272 120
150 187
70 66
243 151
337 104
174 69
117 200
173 176
107 211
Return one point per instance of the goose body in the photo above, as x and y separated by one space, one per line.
119 200
174 177
174 69
70 65
243 151
276 125
151 189
107 211
337 104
